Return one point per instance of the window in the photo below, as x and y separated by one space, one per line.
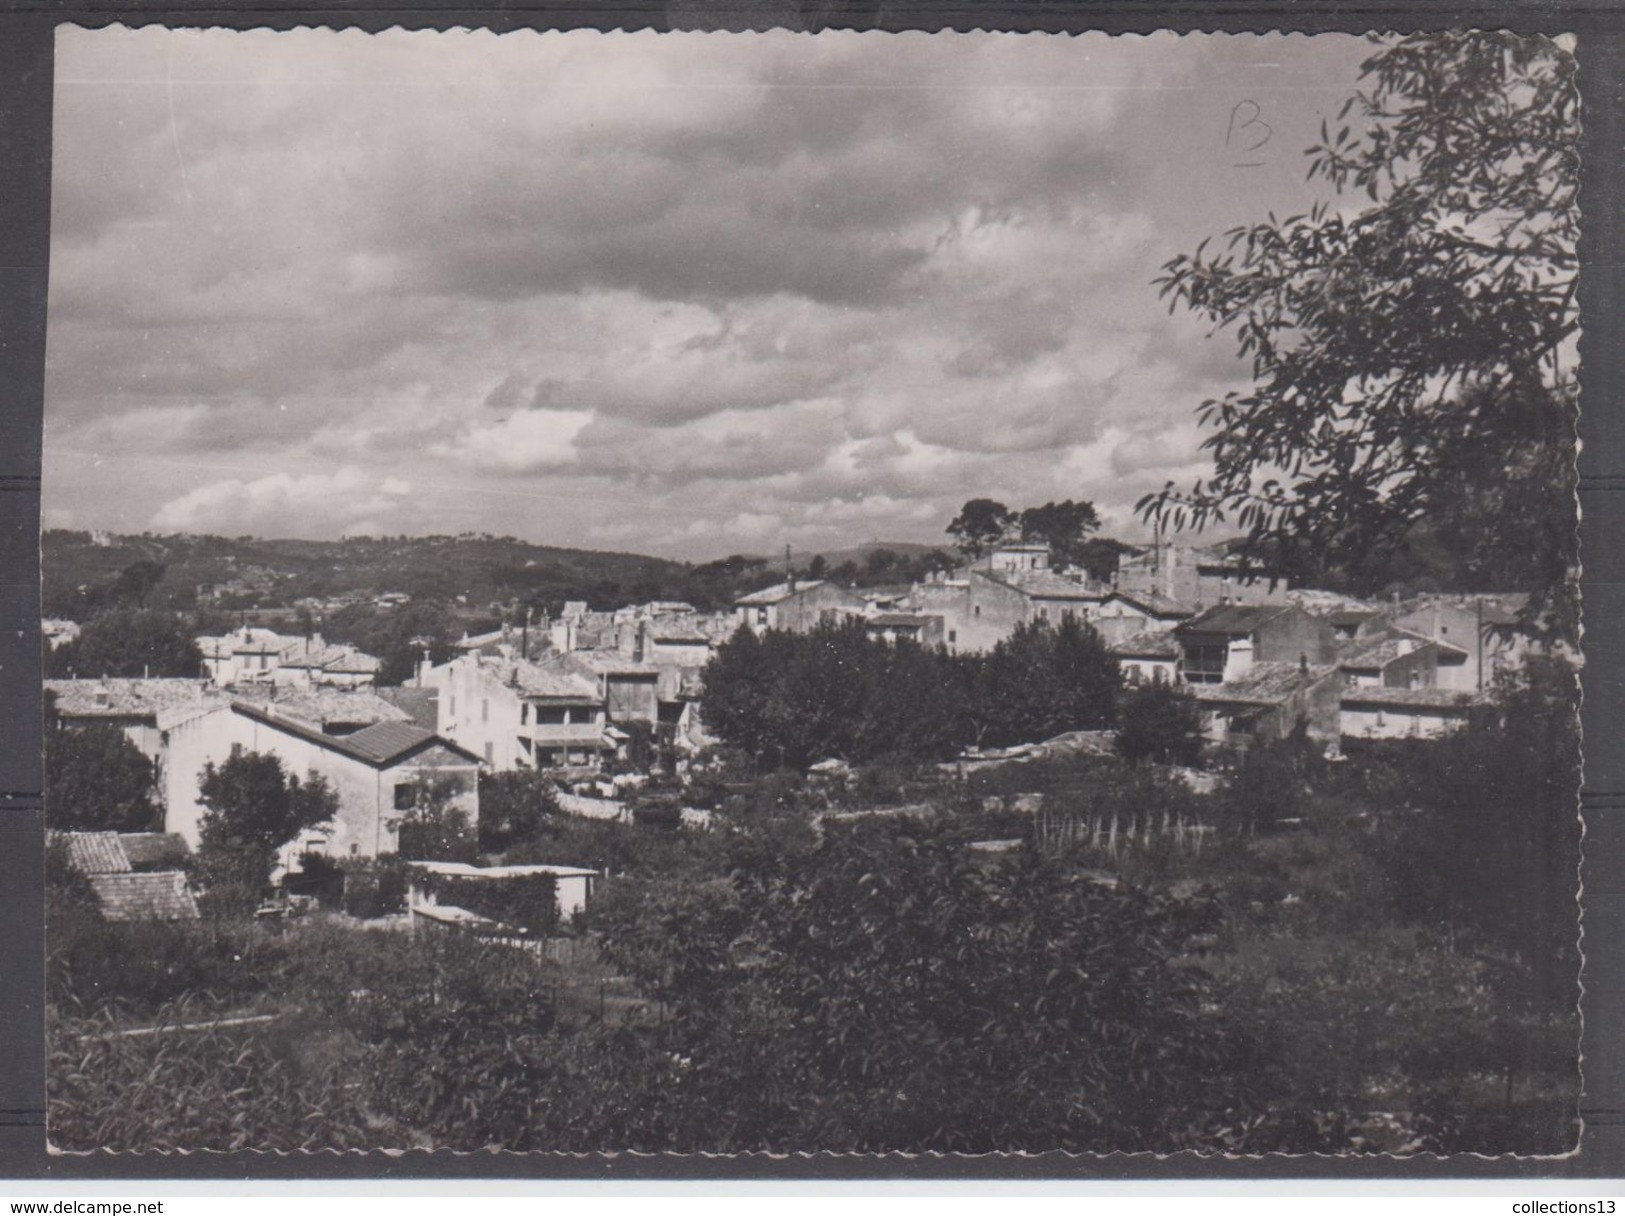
953 636
1205 664
236 750
354 849
485 710
976 611
405 796
451 709
524 712
490 752
1043 614
761 616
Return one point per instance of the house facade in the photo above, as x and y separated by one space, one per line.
1200 576
1484 627
1381 712
797 606
1221 645
375 772
516 714
1121 614
250 655
131 705
1270 701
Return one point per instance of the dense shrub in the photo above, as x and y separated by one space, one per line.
528 902
375 887
222 1088
794 699
96 780
513 806
1159 723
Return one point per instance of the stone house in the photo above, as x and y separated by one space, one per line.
131 705
1270 700
1221 644
1151 657
798 606
515 713
1381 712
375 772
1200 576
1124 614
1482 626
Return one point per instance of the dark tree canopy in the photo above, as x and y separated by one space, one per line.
96 780
1064 526
129 644
254 807
981 524
1159 723
1402 352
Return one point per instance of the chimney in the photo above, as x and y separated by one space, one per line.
1303 663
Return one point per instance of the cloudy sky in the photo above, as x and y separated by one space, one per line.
684 294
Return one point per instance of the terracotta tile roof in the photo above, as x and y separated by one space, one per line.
1044 585
385 741
549 678
1237 619
379 745
321 706
779 593
125 698
1264 684
161 896
1153 603
421 704
608 662
95 852
1147 644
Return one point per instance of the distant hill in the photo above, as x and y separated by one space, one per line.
859 554
85 574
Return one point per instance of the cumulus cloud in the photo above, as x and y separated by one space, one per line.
282 503
685 293
521 443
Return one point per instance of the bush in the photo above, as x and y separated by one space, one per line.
223 1089
529 902
1159 723
513 807
375 887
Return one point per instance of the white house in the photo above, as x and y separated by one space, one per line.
376 771
518 714
1376 712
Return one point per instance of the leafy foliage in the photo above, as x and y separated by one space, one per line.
888 994
980 524
96 780
437 827
126 644
1402 352
254 808
1041 681
1064 526
800 698
1159 723
513 806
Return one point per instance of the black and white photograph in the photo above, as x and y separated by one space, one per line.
841 592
